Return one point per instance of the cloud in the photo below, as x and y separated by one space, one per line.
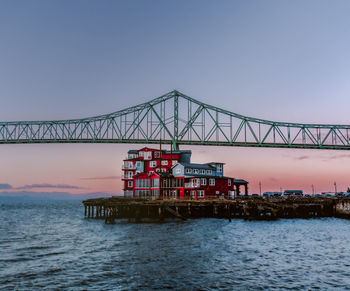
102 178
5 186
45 185
53 195
341 156
302 158
324 158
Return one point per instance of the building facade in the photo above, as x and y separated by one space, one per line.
162 174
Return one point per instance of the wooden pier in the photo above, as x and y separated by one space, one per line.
110 209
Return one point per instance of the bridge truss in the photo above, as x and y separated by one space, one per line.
178 119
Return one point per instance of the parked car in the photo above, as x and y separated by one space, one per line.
293 193
272 194
266 194
255 195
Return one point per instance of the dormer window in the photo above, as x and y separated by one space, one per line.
196 171
202 171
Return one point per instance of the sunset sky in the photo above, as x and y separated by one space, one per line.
276 60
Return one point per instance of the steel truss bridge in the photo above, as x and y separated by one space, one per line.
177 119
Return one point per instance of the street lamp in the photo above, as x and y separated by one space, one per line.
260 187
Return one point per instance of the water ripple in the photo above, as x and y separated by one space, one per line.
48 245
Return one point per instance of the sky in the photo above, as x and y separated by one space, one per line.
276 60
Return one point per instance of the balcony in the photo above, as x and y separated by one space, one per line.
129 167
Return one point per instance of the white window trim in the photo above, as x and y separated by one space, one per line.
212 182
203 181
153 164
129 183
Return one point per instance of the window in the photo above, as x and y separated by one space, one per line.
201 193
155 183
188 171
151 172
129 183
153 164
212 182
155 193
147 155
138 164
219 168
178 171
163 170
174 162
193 194
141 193
128 165
165 163
209 172
157 154
142 183
141 154
202 171
157 170
229 182
203 181
196 171
196 182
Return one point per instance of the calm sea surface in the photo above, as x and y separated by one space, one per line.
49 245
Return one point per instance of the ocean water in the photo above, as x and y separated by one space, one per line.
48 245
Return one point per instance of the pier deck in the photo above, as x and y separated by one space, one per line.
114 208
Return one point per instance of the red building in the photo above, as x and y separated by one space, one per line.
153 173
